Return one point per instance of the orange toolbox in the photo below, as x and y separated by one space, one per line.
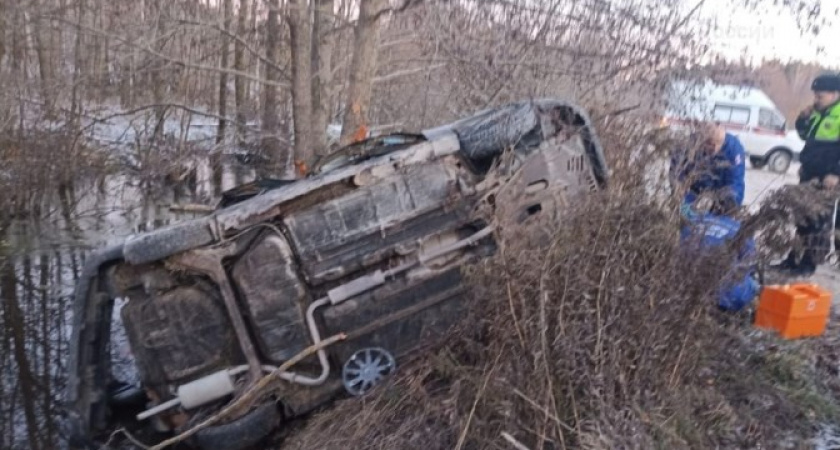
794 310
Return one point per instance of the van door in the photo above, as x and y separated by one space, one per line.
770 132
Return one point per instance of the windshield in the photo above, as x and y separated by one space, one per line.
772 119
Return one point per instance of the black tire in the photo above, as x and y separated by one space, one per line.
488 133
758 162
242 433
779 160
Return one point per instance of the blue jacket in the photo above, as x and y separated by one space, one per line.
706 232
722 173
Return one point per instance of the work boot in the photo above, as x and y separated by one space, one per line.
802 271
786 265
796 269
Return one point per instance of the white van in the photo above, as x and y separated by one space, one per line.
745 112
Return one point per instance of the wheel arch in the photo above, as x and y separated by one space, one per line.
781 148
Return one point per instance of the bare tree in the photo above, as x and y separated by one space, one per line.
300 25
363 68
270 120
241 84
223 74
47 57
14 320
323 41
3 29
216 161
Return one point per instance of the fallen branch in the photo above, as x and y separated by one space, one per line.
513 441
129 436
252 393
191 207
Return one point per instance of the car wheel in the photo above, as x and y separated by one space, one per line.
779 161
758 162
366 369
243 433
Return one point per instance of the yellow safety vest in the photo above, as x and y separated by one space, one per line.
825 127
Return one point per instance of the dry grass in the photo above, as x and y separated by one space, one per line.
786 207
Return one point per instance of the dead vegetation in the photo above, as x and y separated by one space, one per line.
786 208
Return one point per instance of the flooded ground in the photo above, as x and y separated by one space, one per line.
42 255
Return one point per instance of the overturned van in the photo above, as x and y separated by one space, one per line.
369 246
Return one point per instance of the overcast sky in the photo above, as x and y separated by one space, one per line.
773 32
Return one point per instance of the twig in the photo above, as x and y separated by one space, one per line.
252 393
478 396
191 207
406 72
543 410
128 436
513 316
616 112
513 441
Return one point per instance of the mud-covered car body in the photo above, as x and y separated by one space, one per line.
369 246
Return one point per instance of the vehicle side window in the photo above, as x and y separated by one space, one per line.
741 116
767 118
722 113
731 114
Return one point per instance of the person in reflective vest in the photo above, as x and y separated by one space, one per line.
819 127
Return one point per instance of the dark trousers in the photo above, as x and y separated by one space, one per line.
815 235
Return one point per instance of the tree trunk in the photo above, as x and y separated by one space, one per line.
322 49
103 76
223 76
14 320
157 75
216 160
66 197
17 56
78 62
300 26
3 26
46 60
270 122
240 83
6 392
58 18
362 69
255 63
46 351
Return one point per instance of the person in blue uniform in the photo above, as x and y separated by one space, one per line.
712 168
712 171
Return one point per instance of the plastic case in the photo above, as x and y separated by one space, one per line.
795 310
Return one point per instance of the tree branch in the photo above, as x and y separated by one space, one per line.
406 72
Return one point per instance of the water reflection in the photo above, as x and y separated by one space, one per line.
41 258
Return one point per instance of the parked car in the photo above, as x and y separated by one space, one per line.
746 112
369 245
